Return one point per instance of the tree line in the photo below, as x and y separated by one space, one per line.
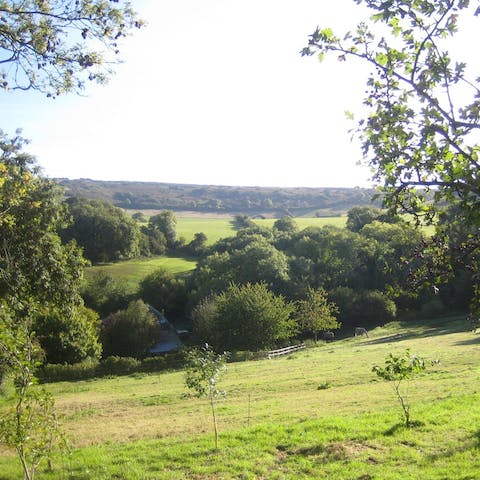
216 198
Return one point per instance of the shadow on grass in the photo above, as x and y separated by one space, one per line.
471 442
472 341
443 329
399 427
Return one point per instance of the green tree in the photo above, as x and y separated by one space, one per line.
164 291
204 368
248 317
166 223
130 332
331 255
198 246
249 259
105 293
315 313
57 46
53 47
357 217
69 338
420 132
386 252
38 276
286 224
104 231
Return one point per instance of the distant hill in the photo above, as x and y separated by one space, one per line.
260 201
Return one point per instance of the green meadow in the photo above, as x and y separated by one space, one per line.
133 271
216 228
317 414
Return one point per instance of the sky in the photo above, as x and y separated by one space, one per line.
211 92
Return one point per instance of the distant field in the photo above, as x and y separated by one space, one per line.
318 414
213 228
302 222
132 271
221 227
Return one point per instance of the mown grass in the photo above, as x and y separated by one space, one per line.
280 421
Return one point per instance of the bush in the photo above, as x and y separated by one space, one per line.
433 308
118 366
65 373
110 366
131 332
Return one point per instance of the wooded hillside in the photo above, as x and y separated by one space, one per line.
269 201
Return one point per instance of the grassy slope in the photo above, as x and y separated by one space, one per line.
277 423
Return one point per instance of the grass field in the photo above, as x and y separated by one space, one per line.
216 228
319 413
133 271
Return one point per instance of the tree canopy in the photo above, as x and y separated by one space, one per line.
104 232
423 105
420 132
56 46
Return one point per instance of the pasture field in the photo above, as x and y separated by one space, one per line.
318 414
133 271
216 228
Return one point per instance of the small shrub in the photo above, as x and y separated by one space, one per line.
324 386
398 370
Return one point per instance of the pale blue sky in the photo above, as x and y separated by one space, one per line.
211 92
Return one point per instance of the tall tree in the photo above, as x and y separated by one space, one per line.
38 275
164 222
315 313
420 134
56 46
245 317
130 332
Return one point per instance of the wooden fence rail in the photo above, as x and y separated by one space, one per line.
286 350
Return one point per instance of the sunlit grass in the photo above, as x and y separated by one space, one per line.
280 421
133 271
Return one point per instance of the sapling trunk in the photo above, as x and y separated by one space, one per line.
214 416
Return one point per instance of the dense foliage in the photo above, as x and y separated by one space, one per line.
420 132
130 332
245 317
104 231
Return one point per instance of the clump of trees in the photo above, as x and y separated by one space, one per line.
53 47
104 232
130 332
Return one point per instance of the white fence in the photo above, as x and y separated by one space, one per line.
285 351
